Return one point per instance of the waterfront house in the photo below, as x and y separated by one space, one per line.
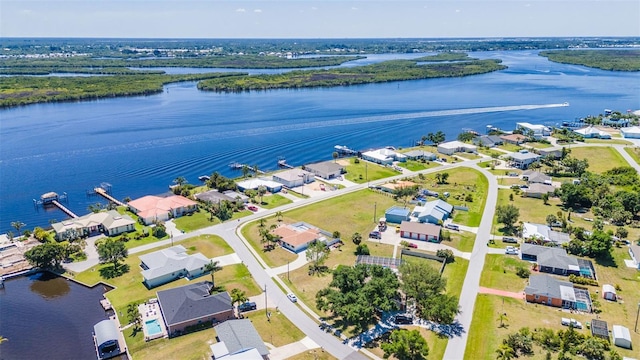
238 339
397 214
634 252
553 260
434 212
538 190
186 306
152 208
105 337
537 131
420 231
420 155
237 196
533 176
214 197
326 170
110 223
294 177
452 147
163 266
592 132
550 153
522 159
632 132
543 233
255 183
383 156
547 290
487 140
515 139
298 236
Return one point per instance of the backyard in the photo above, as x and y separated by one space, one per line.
600 158
413 165
499 272
365 171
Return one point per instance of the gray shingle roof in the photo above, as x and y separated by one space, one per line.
192 302
324 167
546 285
550 256
240 335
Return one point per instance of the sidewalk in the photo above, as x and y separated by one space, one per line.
289 350
296 264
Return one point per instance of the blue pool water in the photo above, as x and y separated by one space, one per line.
582 306
153 327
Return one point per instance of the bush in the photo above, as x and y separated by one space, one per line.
362 249
446 254
522 272
582 280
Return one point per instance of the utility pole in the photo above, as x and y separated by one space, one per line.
637 313
266 312
375 208
288 271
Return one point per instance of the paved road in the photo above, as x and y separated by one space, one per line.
627 157
456 346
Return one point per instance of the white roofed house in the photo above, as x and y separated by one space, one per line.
591 132
632 132
238 339
543 233
522 159
294 177
452 147
537 190
536 130
163 266
254 184
383 156
434 212
420 155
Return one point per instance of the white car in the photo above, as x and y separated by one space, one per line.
292 297
510 250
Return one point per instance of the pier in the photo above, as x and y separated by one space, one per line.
282 162
238 166
343 150
64 209
102 192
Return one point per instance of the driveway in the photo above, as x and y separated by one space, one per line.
484 290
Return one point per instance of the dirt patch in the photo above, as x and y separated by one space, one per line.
343 162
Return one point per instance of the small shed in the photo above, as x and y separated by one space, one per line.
599 329
609 292
621 336
396 214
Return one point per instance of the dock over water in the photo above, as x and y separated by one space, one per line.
64 209
102 192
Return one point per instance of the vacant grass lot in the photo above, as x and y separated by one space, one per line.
538 145
610 141
202 219
499 272
461 240
274 200
485 336
600 158
531 209
634 153
510 147
365 171
413 165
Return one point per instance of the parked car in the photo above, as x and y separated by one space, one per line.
452 227
252 208
571 322
375 235
337 333
412 245
403 319
510 250
292 297
509 240
247 306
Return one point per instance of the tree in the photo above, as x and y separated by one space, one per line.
245 170
551 219
18 225
279 216
46 256
362 249
238 296
133 315
466 136
261 191
180 180
505 352
317 253
446 254
592 349
507 215
622 232
356 238
405 192
545 198
438 137
212 267
502 317
336 234
40 234
95 208
406 345
112 251
444 177
335 156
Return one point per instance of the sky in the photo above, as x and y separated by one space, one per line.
318 19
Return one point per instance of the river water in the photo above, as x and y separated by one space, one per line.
140 144
48 317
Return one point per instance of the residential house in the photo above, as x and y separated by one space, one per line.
255 183
237 196
552 260
163 266
551 153
193 304
632 132
515 139
294 177
298 236
522 159
420 231
536 130
420 155
110 223
488 140
538 190
383 156
634 252
543 233
592 132
326 170
434 212
547 290
452 147
214 197
397 214
609 292
105 337
238 339
152 208
533 176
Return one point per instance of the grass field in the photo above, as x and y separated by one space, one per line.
634 153
499 272
490 152
531 209
600 158
274 200
510 147
413 165
461 240
366 171
195 221
538 145
610 141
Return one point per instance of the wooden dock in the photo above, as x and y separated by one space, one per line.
102 192
64 209
238 166
283 163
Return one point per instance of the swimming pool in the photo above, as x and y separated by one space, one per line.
153 327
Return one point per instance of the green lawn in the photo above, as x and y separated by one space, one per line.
539 145
499 272
510 147
274 200
634 153
365 171
195 221
461 240
413 165
278 331
490 152
140 229
600 158
608 141
531 209
468 156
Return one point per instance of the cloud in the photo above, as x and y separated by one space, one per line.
257 10
314 8
240 10
354 8
458 10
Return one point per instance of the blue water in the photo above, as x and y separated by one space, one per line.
140 144
153 327
582 306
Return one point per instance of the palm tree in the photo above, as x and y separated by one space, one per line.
262 222
279 216
18 225
335 156
180 180
502 318
212 267
245 170
261 191
505 352
238 296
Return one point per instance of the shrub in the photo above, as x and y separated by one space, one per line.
582 280
446 254
522 272
362 249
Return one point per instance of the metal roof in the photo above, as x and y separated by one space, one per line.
239 336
